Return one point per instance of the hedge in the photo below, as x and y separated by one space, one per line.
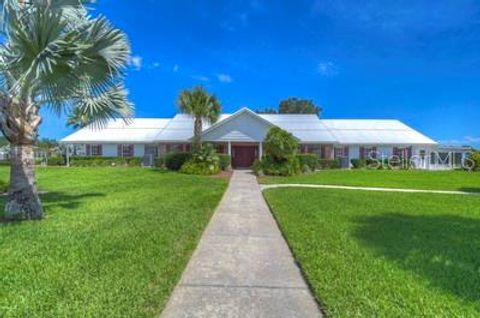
309 160
175 160
329 164
105 162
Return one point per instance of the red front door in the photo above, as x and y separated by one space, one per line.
243 156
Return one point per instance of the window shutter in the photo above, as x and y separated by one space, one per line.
374 152
88 150
346 152
119 151
100 150
362 152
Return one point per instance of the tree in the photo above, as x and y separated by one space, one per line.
267 110
295 105
202 106
78 119
54 55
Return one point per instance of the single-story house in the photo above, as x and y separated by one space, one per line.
242 133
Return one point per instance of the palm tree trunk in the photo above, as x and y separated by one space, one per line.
198 133
23 202
19 122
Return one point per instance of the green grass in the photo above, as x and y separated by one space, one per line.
385 254
411 179
114 243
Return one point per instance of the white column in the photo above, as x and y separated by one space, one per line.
229 147
68 154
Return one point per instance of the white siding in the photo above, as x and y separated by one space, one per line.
354 152
244 128
385 151
110 150
139 150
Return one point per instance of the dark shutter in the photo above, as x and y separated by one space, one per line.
100 150
119 151
362 153
88 150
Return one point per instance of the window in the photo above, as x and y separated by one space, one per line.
368 152
94 150
341 152
125 150
402 153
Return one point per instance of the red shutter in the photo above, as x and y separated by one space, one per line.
88 150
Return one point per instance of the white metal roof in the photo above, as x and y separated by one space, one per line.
116 130
307 128
369 131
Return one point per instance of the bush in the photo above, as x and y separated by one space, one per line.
203 161
358 163
309 160
200 168
159 162
225 161
269 166
475 157
175 160
279 144
105 162
325 164
4 162
56 161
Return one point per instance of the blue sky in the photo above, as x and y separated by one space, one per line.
417 61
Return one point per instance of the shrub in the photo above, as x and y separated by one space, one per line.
279 144
329 164
159 162
309 160
105 162
475 157
204 161
175 160
358 163
225 161
269 166
200 168
4 162
56 161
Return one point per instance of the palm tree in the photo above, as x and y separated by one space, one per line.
202 106
54 55
78 119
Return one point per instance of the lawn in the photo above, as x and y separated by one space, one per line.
411 179
385 254
114 243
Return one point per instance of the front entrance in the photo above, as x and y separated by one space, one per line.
243 156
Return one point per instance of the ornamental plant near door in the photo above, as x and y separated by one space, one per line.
280 154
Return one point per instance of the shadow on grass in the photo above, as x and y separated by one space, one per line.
475 190
55 199
443 249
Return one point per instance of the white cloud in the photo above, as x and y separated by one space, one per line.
156 65
327 68
224 78
201 78
136 62
175 68
467 140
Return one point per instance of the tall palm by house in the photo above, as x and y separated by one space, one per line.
54 55
202 106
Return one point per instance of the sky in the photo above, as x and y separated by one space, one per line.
416 61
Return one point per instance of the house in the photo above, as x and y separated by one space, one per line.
241 135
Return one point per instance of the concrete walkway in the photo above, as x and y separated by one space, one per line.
242 266
323 186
